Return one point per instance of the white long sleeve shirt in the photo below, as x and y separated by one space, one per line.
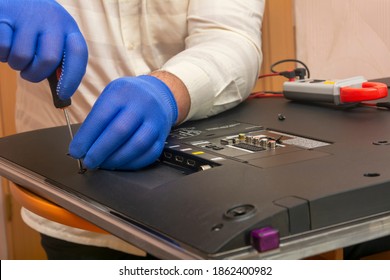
213 46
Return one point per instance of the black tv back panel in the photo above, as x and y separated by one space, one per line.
268 163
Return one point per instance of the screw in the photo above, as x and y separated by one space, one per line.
281 117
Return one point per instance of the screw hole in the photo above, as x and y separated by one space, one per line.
217 227
372 174
381 142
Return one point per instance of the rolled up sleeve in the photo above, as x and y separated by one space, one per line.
222 56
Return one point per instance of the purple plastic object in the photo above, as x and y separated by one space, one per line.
265 239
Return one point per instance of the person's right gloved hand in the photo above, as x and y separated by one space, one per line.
127 126
36 36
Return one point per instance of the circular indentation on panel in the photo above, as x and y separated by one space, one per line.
240 212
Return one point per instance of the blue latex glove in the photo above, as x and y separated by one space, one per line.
128 125
36 35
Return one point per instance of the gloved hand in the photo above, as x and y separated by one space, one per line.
36 35
128 125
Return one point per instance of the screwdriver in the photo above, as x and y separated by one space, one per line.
62 104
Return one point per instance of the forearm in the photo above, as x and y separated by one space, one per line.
179 91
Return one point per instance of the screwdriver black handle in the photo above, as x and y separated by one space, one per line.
53 82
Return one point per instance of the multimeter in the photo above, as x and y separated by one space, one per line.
351 90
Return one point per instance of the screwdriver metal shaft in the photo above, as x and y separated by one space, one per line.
62 104
67 119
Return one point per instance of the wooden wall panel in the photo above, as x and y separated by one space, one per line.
341 39
7 99
278 41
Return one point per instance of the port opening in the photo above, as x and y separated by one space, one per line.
187 162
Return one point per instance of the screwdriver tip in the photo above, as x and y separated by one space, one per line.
82 169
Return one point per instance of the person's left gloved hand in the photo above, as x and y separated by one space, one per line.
128 125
